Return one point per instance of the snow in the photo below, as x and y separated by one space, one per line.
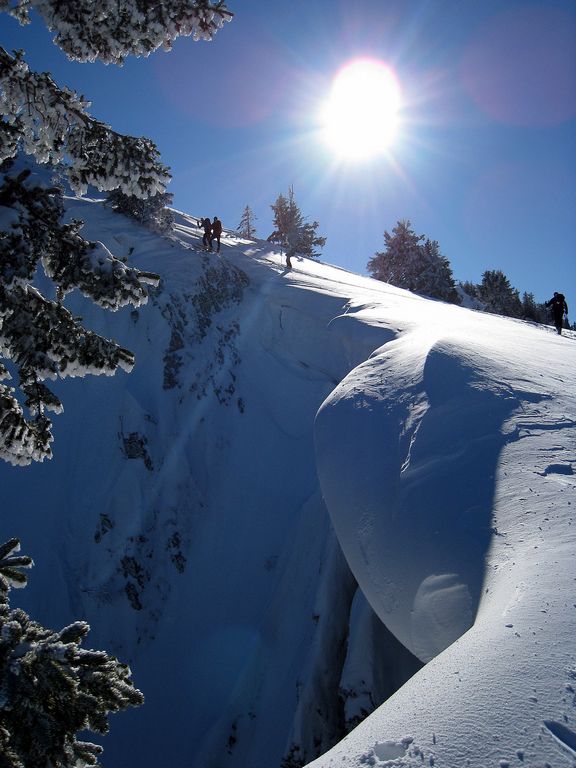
452 501
284 437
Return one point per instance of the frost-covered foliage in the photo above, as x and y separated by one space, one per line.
152 213
495 295
436 280
401 262
110 30
50 687
498 296
38 336
414 262
52 124
37 117
291 231
246 227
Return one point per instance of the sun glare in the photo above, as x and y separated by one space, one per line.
360 117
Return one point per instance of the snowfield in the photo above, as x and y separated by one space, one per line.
316 497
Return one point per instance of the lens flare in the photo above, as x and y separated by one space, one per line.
360 118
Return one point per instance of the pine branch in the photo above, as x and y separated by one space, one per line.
55 127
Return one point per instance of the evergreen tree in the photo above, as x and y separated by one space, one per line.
246 227
436 280
279 221
39 338
498 295
402 261
152 212
287 222
291 231
532 310
50 687
470 288
408 262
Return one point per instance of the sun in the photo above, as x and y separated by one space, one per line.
360 118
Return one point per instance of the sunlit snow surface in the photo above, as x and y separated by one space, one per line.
447 462
195 510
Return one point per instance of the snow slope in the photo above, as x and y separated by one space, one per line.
196 512
447 464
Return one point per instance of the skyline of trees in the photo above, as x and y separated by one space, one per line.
414 262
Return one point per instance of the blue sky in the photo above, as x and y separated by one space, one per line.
484 160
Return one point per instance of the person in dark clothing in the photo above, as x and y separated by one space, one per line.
559 309
216 232
207 237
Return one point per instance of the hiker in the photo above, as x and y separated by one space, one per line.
207 238
559 309
216 232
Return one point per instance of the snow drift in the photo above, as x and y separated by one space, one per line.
447 463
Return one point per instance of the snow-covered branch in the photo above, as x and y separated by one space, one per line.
53 125
111 30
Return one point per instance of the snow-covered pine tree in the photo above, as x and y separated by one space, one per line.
52 124
291 231
152 212
246 227
402 261
498 295
121 28
407 262
50 688
436 280
39 338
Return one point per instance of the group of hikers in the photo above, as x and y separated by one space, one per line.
559 310
212 231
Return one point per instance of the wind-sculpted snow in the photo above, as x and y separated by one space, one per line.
446 461
420 417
